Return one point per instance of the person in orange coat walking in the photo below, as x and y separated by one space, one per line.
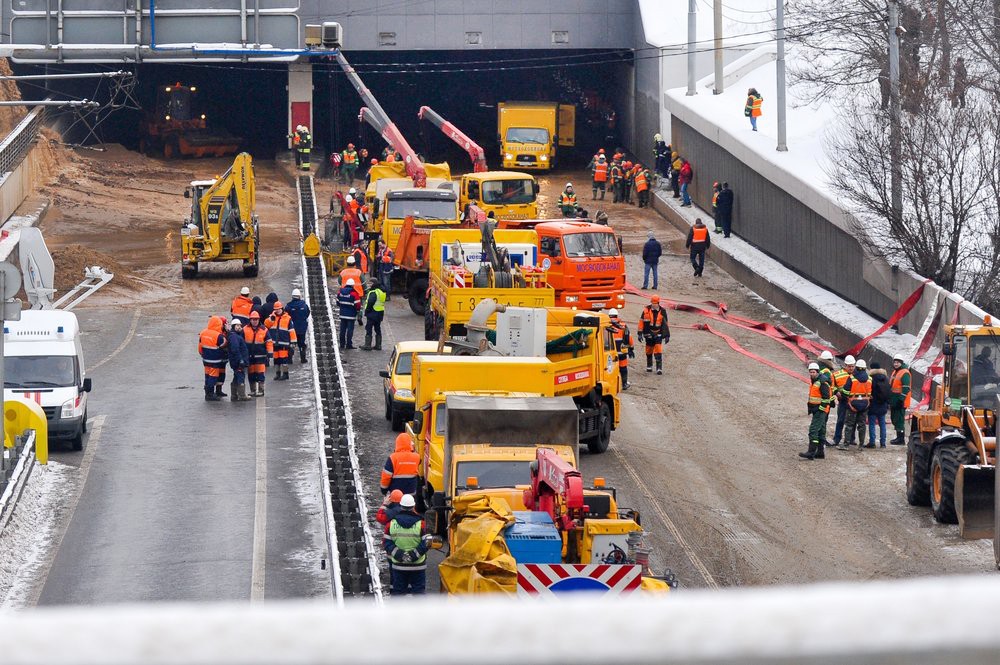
752 108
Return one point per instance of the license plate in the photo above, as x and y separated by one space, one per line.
525 163
598 304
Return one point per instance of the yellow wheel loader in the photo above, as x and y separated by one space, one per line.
223 222
951 456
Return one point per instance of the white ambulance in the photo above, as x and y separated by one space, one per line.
43 361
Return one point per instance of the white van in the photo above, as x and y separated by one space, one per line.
43 361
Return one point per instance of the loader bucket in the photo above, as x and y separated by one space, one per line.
974 495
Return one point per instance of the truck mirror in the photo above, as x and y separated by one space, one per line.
418 421
384 373
187 193
537 188
948 349
87 385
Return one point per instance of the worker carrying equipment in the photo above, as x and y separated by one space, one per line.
654 329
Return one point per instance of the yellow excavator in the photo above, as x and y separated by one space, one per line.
223 222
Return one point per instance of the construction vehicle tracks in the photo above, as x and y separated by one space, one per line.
354 567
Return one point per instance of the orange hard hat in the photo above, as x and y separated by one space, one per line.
601 151
655 300
395 496
278 305
255 315
374 161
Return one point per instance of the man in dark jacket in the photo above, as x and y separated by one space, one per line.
858 390
724 209
407 549
268 307
698 241
298 309
651 253
349 302
239 360
257 307
879 406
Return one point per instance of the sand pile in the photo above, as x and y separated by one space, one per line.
71 261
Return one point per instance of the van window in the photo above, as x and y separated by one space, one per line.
549 246
40 372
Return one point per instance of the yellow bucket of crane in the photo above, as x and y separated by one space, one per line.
21 415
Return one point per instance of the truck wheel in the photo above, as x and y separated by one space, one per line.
251 269
388 408
83 426
432 324
189 272
417 296
77 442
599 443
918 472
398 421
944 471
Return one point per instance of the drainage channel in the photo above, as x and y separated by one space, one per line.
354 569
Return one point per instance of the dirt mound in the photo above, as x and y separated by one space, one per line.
9 92
71 261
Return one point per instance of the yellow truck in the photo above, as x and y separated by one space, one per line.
501 194
469 266
530 133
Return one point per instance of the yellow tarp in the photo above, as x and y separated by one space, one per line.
398 170
479 561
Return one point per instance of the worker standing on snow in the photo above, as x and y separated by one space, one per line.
675 173
623 345
599 173
839 381
654 329
752 109
724 210
239 360
859 394
242 306
407 549
698 241
819 410
348 302
374 309
348 165
567 201
298 309
684 178
283 334
661 156
260 348
210 344
899 401
400 469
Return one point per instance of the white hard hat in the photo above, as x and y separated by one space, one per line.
899 357
245 291
569 184
235 322
826 355
862 364
814 366
349 282
407 501
296 293
348 198
849 360
350 260
613 313
352 191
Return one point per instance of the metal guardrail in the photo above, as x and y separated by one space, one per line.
15 466
16 145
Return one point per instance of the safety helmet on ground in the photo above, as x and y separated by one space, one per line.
407 501
278 305
862 364
899 357
814 366
613 313
826 355
350 260
395 496
655 299
296 293
245 291
235 322
255 315
849 360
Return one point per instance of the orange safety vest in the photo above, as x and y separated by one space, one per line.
623 342
616 173
897 385
699 234
816 397
567 199
640 182
601 172
861 389
350 157
405 464
284 333
360 261
242 306
355 274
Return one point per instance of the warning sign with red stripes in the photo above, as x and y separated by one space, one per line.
545 578
572 376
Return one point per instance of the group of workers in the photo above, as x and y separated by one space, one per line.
863 398
256 334
302 144
361 297
404 540
630 182
653 332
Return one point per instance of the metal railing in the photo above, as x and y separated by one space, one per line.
16 145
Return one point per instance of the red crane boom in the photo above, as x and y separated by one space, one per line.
476 154
376 116
556 488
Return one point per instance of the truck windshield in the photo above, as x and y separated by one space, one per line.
984 350
590 244
508 192
40 371
491 474
527 135
422 209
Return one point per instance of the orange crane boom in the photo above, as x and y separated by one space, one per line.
476 153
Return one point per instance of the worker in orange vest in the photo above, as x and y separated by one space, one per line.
400 470
698 241
654 329
283 334
752 109
242 306
360 257
261 348
211 348
600 175
642 181
352 272
899 400
348 164
623 345
617 180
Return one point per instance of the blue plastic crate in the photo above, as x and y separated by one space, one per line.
533 538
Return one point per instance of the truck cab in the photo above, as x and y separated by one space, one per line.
500 194
43 362
585 264
530 133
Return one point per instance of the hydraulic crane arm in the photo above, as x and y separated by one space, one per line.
379 119
476 153
556 488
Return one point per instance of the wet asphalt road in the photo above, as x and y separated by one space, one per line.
170 503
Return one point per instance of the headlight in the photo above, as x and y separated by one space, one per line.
405 394
507 155
621 296
69 408
544 158
572 298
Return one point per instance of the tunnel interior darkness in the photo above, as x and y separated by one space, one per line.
249 99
